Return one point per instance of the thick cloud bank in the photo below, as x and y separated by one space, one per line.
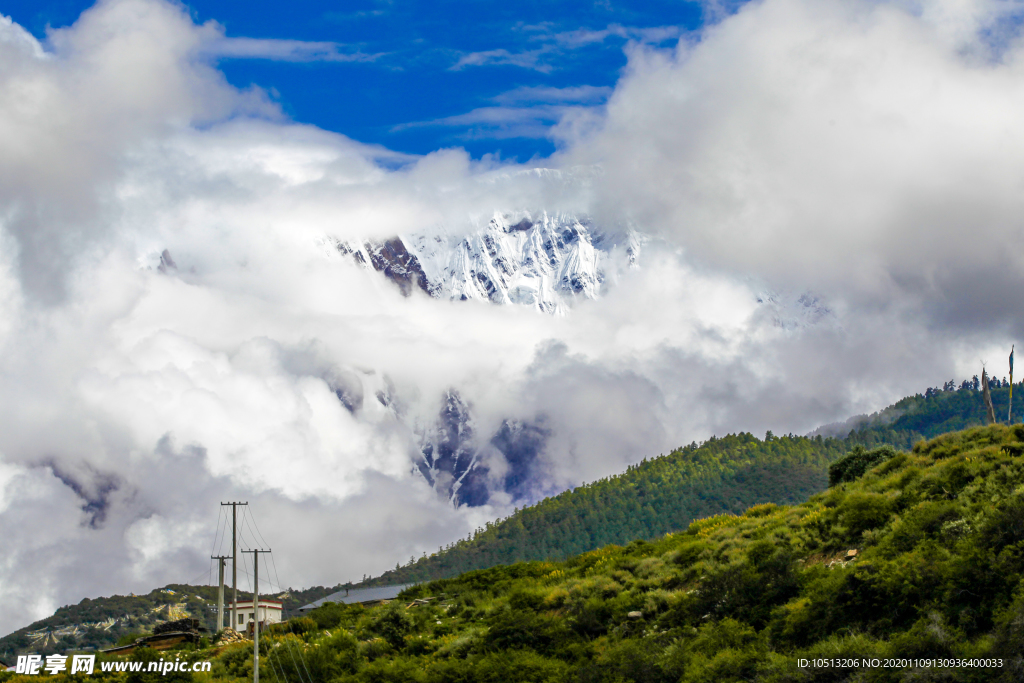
833 192
870 150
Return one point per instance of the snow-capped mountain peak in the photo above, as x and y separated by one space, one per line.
545 260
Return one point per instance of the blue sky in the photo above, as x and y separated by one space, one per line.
419 76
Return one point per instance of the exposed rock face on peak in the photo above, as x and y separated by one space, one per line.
452 448
542 260
449 456
521 444
454 455
393 260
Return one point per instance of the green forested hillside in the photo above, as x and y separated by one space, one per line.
720 475
650 499
911 571
937 411
938 575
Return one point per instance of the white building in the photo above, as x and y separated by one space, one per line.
270 613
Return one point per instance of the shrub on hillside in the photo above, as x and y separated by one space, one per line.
302 625
392 623
854 464
329 614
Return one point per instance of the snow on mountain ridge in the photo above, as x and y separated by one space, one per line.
545 260
450 458
515 259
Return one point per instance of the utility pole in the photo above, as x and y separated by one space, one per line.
234 562
220 591
256 613
1009 411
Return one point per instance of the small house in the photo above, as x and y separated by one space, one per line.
270 612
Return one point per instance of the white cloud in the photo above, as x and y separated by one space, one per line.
286 50
555 45
854 148
528 112
529 59
583 36
580 94
535 121
861 151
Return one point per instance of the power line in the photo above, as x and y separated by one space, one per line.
273 669
288 644
245 525
248 521
258 529
189 583
275 570
245 573
216 535
234 559
256 613
223 533
238 537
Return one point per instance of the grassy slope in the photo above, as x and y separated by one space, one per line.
940 532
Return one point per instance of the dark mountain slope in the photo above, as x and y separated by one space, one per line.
720 475
650 499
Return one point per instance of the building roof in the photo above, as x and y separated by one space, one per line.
263 601
360 595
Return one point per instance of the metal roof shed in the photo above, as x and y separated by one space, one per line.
362 596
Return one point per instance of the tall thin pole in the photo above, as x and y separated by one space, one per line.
220 591
1009 411
256 613
234 562
234 566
